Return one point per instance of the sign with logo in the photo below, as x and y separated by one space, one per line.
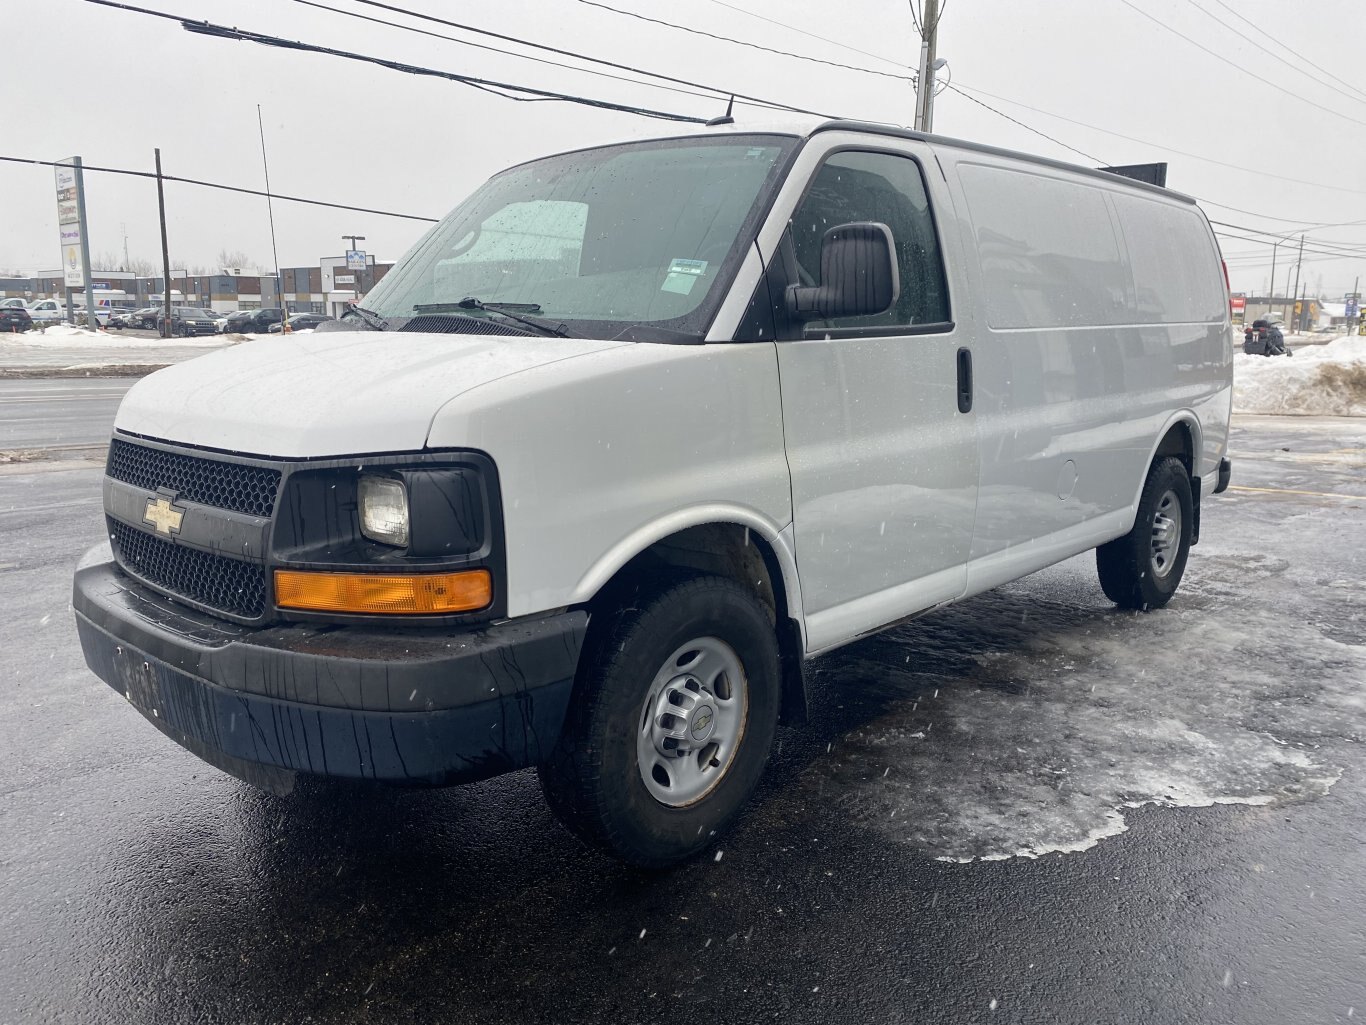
1237 302
69 226
1353 307
355 259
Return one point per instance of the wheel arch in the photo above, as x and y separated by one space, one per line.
1180 436
727 541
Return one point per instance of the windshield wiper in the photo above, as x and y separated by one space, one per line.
370 318
512 311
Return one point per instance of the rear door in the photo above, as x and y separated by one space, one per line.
882 458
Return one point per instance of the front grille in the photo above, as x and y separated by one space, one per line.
234 486
229 585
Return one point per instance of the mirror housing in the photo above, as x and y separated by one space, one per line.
859 275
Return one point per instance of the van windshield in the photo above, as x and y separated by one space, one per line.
635 241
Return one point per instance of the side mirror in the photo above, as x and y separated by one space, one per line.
859 275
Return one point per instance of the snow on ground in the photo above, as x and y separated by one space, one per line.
1318 380
64 336
1019 727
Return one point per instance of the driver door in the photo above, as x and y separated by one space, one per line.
883 461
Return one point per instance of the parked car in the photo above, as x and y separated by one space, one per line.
237 322
146 317
254 321
187 321
14 301
14 318
120 319
301 322
47 311
590 501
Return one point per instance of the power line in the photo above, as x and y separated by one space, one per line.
1354 254
507 53
1027 128
220 186
813 35
1273 55
1167 148
1238 67
504 89
1344 251
580 56
742 42
1288 49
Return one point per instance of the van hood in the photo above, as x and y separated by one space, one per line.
329 394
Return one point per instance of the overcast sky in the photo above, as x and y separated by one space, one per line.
110 85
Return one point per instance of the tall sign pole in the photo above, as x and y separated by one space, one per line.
90 320
165 253
75 238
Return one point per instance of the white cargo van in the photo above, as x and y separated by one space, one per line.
635 431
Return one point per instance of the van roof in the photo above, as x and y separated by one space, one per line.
806 127
801 127
907 133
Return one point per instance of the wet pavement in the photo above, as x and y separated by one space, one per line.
1026 808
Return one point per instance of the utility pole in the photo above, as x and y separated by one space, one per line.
165 253
924 83
270 212
1298 261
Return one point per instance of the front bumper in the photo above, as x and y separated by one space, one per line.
401 706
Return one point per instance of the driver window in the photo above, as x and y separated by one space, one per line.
855 186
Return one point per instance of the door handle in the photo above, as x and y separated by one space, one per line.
964 380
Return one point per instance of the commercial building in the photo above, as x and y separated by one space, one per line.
324 288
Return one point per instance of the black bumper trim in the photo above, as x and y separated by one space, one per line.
333 702
1225 474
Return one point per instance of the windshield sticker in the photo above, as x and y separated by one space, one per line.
683 274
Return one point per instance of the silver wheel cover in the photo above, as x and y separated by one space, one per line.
1165 546
692 722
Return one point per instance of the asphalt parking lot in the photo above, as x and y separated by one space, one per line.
1025 808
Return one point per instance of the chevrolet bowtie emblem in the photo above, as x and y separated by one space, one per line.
163 515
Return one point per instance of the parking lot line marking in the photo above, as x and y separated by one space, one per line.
1292 491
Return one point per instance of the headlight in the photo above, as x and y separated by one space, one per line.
384 510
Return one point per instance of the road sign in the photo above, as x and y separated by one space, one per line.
1353 308
70 228
355 259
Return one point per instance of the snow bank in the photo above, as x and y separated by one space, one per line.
1319 380
64 336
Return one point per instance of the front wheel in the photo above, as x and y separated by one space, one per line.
671 723
1142 569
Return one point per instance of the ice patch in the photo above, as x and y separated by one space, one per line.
1053 719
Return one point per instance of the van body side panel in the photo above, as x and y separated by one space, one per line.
643 441
1080 362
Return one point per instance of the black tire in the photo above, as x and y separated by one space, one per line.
1140 570
593 781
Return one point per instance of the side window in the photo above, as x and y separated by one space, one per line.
855 186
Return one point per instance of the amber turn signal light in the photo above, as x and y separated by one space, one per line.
408 593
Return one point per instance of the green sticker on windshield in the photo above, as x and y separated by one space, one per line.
683 274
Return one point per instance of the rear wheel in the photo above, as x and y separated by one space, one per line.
671 723
1142 569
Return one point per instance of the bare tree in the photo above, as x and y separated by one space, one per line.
234 259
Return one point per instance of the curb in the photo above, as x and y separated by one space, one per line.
111 370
